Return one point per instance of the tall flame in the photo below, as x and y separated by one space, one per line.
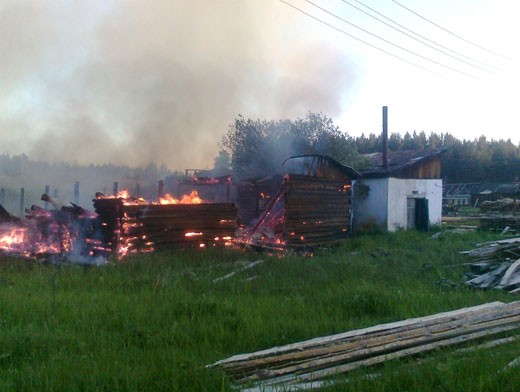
192 198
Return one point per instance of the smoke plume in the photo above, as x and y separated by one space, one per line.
138 82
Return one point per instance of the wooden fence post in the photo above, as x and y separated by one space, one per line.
76 192
47 190
22 202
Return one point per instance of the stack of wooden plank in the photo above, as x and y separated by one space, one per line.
317 210
323 357
496 265
179 225
110 217
145 227
305 213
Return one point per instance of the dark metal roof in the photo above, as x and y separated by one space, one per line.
397 160
312 160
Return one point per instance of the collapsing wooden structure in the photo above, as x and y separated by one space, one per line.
143 227
312 207
61 233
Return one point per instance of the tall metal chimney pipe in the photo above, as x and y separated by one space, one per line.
385 137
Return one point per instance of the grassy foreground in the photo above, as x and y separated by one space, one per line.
152 322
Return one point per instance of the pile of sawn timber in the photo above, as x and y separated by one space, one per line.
496 265
323 357
143 227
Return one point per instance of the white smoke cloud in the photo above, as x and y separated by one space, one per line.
139 82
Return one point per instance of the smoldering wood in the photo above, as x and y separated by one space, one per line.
306 212
6 217
52 234
144 227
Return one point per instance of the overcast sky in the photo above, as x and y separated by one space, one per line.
159 81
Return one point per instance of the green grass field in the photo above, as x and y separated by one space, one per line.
153 322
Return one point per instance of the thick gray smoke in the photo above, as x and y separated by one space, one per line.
155 81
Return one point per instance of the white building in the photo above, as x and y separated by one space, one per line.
405 193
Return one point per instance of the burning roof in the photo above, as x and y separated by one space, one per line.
319 166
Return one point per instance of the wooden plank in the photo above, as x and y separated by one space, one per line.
422 338
510 271
370 345
335 370
361 332
233 273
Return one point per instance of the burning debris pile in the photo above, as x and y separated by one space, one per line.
496 265
120 225
67 231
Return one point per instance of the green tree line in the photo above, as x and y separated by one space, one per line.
477 160
257 148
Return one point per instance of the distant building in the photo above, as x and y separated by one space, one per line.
406 193
473 194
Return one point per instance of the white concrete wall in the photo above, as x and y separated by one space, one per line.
386 204
373 210
399 190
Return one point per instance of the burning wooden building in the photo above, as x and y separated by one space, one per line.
311 208
133 225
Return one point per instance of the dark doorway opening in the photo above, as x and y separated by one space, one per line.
418 216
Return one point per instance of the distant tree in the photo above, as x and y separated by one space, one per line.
408 143
395 142
478 160
434 141
257 148
221 163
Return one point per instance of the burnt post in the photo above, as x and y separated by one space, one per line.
385 137
76 192
137 190
114 188
47 190
22 201
160 189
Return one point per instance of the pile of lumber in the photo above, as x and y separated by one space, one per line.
306 212
144 227
317 211
496 264
323 357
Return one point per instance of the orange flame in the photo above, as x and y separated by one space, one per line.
192 198
193 234
10 239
